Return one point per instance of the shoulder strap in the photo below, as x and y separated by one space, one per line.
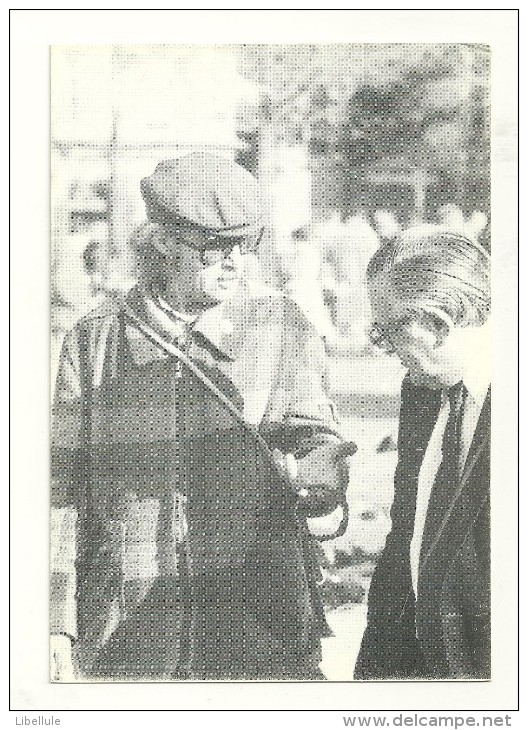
174 351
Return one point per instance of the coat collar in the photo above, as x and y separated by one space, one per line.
219 329
481 437
222 327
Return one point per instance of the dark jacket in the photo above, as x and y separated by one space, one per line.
177 549
445 632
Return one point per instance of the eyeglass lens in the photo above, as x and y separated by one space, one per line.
381 340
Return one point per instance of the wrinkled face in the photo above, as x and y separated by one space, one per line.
203 271
423 341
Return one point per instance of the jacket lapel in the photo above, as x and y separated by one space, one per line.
481 438
462 509
461 512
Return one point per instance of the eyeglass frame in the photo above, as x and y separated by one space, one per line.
224 245
381 336
381 339
218 253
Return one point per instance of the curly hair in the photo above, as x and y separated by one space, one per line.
148 244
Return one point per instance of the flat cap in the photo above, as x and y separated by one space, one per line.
204 190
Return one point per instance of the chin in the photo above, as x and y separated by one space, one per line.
219 296
225 291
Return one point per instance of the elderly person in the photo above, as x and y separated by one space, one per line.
181 546
429 601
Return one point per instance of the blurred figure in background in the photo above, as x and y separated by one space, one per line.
347 247
111 276
359 243
386 224
429 601
451 217
304 283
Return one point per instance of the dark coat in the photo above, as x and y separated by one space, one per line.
142 453
445 633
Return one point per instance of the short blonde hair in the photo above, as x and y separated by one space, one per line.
430 266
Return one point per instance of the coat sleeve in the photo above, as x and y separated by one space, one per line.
300 415
299 409
393 565
67 482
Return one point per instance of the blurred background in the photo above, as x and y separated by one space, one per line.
351 143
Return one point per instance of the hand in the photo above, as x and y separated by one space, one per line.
329 524
320 476
61 669
325 466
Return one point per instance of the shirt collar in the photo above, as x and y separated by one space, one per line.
221 326
165 319
173 314
477 377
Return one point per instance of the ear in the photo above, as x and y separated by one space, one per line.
432 326
441 326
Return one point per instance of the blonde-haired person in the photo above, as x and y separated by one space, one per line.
181 546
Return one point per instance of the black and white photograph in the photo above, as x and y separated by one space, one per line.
271 356
253 248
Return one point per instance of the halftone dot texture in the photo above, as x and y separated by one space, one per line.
176 551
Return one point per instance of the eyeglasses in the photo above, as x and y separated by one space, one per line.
214 249
382 337
428 318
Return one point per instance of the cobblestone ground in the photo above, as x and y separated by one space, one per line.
340 651
350 560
